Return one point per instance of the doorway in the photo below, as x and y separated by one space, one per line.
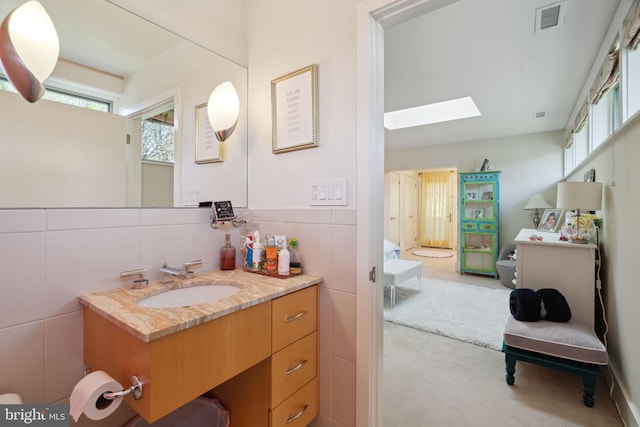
371 15
438 201
153 146
420 208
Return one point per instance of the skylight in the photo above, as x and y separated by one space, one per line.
445 111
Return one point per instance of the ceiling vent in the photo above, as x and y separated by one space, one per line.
539 115
550 16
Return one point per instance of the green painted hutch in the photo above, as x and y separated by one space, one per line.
479 215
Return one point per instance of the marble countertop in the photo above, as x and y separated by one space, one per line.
120 305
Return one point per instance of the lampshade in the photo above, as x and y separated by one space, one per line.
580 195
223 109
29 49
536 201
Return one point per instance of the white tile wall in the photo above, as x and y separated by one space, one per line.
327 246
50 257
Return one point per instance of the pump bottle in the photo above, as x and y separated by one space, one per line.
227 255
284 258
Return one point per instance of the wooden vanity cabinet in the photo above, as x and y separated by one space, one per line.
261 362
294 363
179 367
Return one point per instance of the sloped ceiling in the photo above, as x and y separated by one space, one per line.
488 50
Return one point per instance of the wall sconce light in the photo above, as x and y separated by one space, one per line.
577 196
29 49
223 109
536 201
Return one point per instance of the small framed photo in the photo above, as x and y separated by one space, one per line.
294 110
478 213
471 195
487 195
208 148
551 220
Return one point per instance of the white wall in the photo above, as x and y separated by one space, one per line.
284 36
616 166
219 25
529 163
193 73
54 155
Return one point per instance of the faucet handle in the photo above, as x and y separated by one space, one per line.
138 283
188 264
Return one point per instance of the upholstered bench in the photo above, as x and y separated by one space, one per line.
570 346
400 270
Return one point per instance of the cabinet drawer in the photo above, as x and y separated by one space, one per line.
293 316
469 226
292 367
299 409
491 226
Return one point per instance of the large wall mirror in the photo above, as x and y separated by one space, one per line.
57 155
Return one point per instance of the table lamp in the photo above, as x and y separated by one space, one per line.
536 201
577 196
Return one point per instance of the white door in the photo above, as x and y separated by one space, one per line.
393 203
410 211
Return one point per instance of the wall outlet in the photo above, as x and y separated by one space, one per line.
328 192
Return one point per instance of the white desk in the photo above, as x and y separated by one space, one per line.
567 267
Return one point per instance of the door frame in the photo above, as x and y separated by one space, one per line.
371 15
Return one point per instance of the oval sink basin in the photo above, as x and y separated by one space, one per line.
189 296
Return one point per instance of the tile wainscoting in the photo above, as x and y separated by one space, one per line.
50 256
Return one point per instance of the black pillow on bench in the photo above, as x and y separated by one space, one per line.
555 304
524 304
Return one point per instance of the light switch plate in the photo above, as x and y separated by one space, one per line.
191 197
328 192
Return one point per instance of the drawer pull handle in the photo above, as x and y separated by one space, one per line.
295 368
297 316
298 415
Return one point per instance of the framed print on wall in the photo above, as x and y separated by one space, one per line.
294 110
208 148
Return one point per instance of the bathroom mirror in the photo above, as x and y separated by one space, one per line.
57 155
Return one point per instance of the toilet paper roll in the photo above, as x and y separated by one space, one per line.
87 396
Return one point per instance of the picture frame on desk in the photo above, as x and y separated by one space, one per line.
551 220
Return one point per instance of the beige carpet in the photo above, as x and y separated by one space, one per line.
430 380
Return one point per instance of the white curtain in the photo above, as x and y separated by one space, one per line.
434 219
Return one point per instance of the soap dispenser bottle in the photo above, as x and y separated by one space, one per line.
284 258
227 255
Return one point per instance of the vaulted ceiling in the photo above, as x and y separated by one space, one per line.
489 50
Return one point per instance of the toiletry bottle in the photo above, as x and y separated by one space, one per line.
284 257
271 256
256 264
227 255
248 261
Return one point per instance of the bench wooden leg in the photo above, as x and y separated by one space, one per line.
588 389
510 362
587 371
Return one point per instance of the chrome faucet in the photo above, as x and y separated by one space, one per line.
175 273
138 283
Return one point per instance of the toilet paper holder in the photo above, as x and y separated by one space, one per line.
135 389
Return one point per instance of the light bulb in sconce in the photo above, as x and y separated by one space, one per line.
223 109
29 49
